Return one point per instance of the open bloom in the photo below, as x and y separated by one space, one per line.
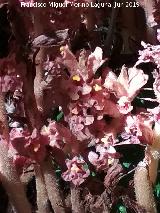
128 83
155 114
108 140
151 53
137 130
104 158
124 105
56 133
77 171
86 66
132 126
60 136
29 145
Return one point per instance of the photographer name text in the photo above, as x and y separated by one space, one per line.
76 4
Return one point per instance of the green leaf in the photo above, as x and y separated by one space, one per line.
122 209
93 174
157 190
126 165
59 116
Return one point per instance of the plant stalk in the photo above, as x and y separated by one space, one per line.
143 188
42 197
52 186
75 200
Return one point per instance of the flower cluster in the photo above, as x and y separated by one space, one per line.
28 145
77 171
91 102
70 103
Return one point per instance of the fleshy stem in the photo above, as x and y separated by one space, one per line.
154 153
49 184
47 169
12 183
42 197
52 186
75 200
38 89
143 188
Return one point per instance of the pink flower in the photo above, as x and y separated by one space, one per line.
55 135
86 89
86 66
127 84
150 53
124 105
155 114
95 59
133 80
29 145
108 140
77 171
132 126
75 123
105 157
137 130
59 136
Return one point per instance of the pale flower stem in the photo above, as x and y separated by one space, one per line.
38 89
154 154
143 188
42 197
153 168
52 186
11 182
76 200
39 60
